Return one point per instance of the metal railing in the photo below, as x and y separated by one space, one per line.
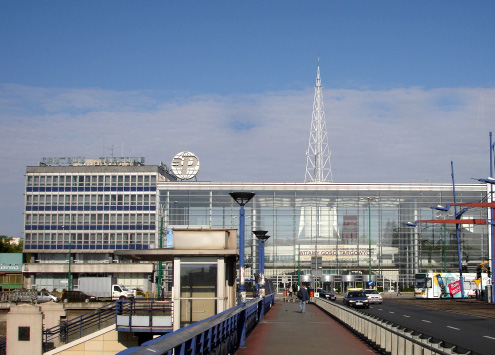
153 315
219 334
103 317
78 327
386 336
17 296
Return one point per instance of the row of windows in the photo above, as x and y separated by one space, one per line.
11 279
89 180
90 199
90 208
88 240
126 227
68 219
93 189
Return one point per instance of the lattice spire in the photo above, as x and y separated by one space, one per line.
318 167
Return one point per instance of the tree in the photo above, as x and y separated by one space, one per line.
6 247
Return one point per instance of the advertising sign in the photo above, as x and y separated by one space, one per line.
455 287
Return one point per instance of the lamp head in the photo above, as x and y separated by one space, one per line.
441 208
264 238
242 197
260 234
488 180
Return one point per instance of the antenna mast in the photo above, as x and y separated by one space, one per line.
318 154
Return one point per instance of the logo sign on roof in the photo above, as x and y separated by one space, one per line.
185 165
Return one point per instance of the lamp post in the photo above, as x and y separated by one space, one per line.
262 238
241 198
160 271
69 276
458 216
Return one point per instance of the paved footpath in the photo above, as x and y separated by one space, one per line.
286 331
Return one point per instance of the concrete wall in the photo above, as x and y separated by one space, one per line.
29 318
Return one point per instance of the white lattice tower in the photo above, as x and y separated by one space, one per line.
318 167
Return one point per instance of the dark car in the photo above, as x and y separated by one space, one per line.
77 296
326 295
357 299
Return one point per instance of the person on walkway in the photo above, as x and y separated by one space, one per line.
398 290
303 298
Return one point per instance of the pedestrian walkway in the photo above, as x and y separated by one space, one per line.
284 330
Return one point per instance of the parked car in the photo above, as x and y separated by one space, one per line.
77 296
326 295
43 296
357 299
374 296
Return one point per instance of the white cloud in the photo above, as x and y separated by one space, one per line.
400 135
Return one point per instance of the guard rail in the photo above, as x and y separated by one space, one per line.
385 336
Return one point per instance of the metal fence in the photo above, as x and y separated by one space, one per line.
386 336
102 317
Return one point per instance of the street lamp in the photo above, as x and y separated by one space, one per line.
262 238
491 181
241 198
69 276
457 216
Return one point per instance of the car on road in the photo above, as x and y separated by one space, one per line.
326 295
43 296
356 299
77 296
374 296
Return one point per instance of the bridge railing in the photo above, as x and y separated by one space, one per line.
140 314
386 336
219 334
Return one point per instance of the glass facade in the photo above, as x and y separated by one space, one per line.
353 228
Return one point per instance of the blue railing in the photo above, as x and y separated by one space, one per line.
219 334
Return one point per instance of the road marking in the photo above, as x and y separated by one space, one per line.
486 336
391 312
426 321
405 315
452 327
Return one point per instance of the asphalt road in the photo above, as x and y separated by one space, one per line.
470 332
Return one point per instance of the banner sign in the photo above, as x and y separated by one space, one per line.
455 287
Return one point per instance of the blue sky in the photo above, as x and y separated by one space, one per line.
408 87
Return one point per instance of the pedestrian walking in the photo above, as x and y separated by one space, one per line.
303 296
398 290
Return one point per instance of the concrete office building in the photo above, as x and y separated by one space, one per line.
79 211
